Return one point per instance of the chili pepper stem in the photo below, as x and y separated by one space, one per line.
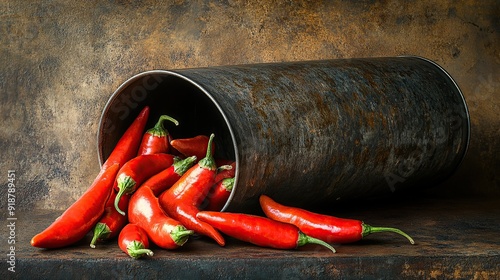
224 167
367 229
306 239
137 250
180 235
228 184
101 230
208 161
125 185
159 130
181 166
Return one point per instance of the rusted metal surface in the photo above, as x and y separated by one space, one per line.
446 247
310 132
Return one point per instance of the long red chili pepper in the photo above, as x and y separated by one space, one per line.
259 230
165 179
219 194
194 146
155 140
127 146
111 222
134 241
81 216
327 228
138 170
183 199
145 211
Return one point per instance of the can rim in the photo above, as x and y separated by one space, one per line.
464 102
132 79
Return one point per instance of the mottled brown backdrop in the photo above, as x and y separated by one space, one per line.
61 60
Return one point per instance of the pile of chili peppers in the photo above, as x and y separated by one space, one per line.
155 189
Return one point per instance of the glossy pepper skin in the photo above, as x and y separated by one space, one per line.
327 228
137 170
134 241
81 216
165 179
194 146
145 211
219 194
258 230
127 146
156 139
183 199
111 222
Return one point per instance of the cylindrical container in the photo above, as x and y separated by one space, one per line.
309 132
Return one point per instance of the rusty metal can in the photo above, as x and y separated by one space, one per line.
309 132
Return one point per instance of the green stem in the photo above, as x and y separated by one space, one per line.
306 239
182 166
180 235
126 185
101 231
159 130
224 167
367 229
228 184
208 161
136 250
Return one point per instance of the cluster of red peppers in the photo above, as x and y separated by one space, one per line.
153 188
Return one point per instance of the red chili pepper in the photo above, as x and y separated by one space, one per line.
226 172
183 199
145 211
327 228
260 231
166 178
111 222
127 146
195 146
138 170
81 216
155 140
219 194
134 241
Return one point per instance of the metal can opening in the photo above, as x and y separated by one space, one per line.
309 132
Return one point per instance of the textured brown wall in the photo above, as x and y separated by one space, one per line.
61 60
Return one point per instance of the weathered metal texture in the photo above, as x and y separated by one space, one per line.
314 131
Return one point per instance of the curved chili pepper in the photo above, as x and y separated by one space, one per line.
327 228
183 199
156 140
134 241
194 146
219 194
127 146
111 222
81 216
138 170
259 231
145 211
166 178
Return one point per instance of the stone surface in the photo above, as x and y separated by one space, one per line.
61 60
